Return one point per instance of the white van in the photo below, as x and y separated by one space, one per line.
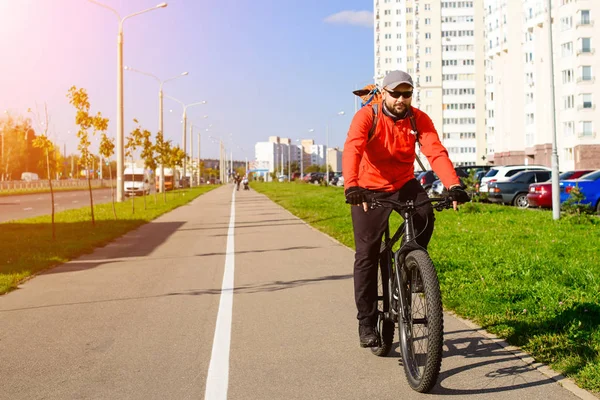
29 177
503 172
136 181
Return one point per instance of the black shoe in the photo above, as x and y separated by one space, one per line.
367 336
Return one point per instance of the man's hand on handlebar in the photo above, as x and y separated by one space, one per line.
458 195
357 196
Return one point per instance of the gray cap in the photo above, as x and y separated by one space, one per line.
395 78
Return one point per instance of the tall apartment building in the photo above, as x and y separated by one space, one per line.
440 43
519 124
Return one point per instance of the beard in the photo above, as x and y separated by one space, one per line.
399 109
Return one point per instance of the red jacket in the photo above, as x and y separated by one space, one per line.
386 162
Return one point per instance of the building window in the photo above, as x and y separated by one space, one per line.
529 119
568 102
427 35
584 17
428 79
566 23
586 128
427 7
427 21
428 93
585 45
567 76
586 100
566 49
427 64
585 72
568 128
427 50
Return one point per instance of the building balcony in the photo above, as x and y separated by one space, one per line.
588 135
586 51
584 24
582 107
586 80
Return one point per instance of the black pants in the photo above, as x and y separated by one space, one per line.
368 231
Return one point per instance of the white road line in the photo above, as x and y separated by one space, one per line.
217 381
28 208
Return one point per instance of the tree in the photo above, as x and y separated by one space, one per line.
17 154
107 149
163 151
42 142
149 157
79 99
134 140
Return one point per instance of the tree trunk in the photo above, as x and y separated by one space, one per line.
132 197
51 195
87 167
112 191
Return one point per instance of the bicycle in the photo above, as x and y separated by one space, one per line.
409 295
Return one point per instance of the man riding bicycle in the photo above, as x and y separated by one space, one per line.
381 165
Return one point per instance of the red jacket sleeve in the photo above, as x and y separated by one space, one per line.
434 150
356 141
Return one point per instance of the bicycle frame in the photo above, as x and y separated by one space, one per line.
406 231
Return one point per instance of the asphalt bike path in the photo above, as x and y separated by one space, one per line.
228 297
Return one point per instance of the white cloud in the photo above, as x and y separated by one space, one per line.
359 18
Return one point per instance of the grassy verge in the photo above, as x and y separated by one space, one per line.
517 273
15 192
27 247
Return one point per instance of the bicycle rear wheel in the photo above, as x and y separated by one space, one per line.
421 326
385 326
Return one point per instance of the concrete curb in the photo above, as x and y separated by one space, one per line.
562 380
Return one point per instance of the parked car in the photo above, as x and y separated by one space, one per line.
589 185
437 188
427 178
334 178
340 181
540 194
282 178
503 173
184 182
514 190
314 177
29 177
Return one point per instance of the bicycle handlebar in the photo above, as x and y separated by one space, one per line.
442 203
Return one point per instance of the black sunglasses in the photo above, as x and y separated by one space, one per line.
407 94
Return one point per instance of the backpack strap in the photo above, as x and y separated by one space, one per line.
375 108
413 124
415 131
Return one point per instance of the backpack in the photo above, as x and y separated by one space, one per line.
370 93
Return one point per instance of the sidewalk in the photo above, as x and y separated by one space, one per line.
136 319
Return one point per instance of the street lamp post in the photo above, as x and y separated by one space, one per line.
554 176
160 114
184 135
327 151
120 133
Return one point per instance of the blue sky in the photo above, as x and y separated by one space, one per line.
265 67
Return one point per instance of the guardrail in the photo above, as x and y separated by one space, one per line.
63 184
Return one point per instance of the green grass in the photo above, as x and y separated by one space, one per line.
27 246
517 273
14 192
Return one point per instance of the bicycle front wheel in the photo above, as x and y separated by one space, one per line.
421 322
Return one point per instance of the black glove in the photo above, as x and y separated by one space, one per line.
355 195
458 194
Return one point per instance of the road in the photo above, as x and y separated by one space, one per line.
33 205
229 297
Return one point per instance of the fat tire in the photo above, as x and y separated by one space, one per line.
424 382
385 327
